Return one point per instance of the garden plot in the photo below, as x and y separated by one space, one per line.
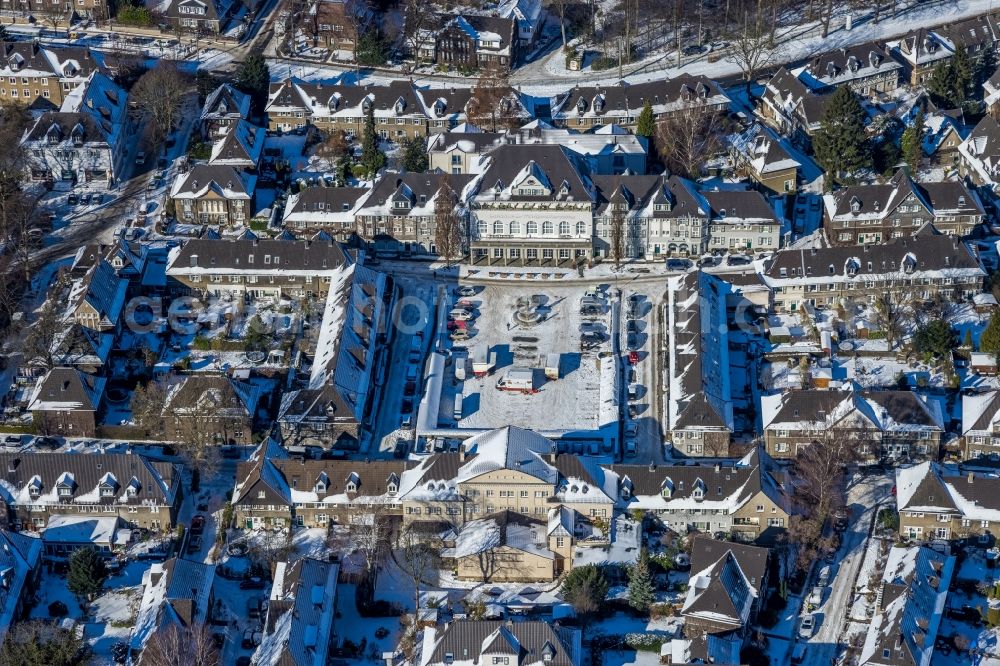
569 403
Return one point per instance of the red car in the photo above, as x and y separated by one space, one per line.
633 357
457 325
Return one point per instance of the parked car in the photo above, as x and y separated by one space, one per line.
678 264
807 627
12 439
707 261
140 157
738 260
85 199
251 638
459 314
457 325
467 290
72 200
633 357
194 544
409 388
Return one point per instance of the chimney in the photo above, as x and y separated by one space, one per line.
652 467
971 477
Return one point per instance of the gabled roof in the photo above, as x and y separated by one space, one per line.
510 448
465 642
240 146
225 102
67 389
290 257
510 164
200 394
720 593
222 179
300 618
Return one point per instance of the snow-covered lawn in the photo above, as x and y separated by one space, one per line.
630 658
350 625
310 542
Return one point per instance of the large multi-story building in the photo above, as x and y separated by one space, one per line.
868 69
214 194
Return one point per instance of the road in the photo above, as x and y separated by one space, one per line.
863 498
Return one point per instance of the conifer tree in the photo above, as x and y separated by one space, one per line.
841 145
640 584
912 141
645 124
372 158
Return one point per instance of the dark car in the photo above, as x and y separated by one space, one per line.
47 443
194 545
198 524
409 388
72 200
407 406
678 264
738 260
252 583
707 261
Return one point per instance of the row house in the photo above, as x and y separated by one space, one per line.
256 267
64 11
913 268
868 69
529 15
936 502
791 107
534 208
223 108
610 150
96 301
909 604
400 214
723 599
943 134
40 486
471 41
899 425
584 108
700 406
299 621
741 221
330 209
398 112
991 94
42 76
976 36
742 498
66 402
203 17
921 51
328 406
872 214
86 141
625 201
467 641
981 426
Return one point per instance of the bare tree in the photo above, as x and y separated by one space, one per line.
173 645
447 223
370 533
493 105
265 547
617 210
891 313
419 554
160 93
689 136
751 47
559 7
420 18
147 408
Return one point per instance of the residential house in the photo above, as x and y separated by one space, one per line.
398 112
529 15
921 50
400 215
909 608
936 502
224 107
534 208
64 535
676 220
445 108
211 409
79 347
330 209
277 492
916 267
759 154
981 424
991 94
869 70
586 107
334 24
976 35
743 498
40 486
204 17
85 141
529 643
20 574
96 301
867 214
722 601
299 626
66 402
239 147
176 593
899 425
980 156
475 42
628 201
791 107
214 194
462 150
699 406
943 134
42 76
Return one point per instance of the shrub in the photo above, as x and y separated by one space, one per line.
644 642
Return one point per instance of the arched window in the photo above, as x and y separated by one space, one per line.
564 228
498 228
515 228
581 228
547 228
532 227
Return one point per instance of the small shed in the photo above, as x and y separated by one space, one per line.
983 363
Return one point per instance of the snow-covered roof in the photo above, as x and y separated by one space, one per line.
509 448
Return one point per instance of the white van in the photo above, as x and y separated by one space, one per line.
824 576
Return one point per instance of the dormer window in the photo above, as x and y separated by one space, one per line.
581 105
35 491
598 104
351 487
320 487
667 489
65 491
107 491
855 205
